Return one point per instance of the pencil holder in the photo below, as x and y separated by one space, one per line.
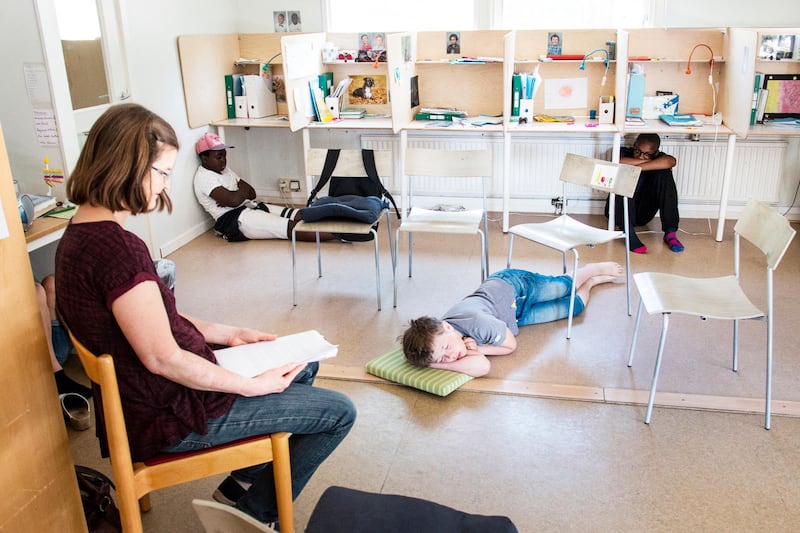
605 110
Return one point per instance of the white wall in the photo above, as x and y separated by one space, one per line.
726 13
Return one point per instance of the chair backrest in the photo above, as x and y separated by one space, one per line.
766 229
600 175
350 163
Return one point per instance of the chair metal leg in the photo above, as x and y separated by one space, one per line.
661 341
294 267
563 262
510 250
628 276
377 266
409 254
484 258
635 332
768 318
319 258
572 293
394 267
735 363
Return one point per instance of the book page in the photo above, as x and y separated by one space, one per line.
253 359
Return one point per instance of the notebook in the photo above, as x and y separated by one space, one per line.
681 120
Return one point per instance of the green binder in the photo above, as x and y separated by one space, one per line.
516 94
229 96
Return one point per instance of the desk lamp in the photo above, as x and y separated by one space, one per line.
710 74
583 63
266 72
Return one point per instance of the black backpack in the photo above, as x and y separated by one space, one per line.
348 197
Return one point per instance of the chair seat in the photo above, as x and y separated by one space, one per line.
720 298
169 457
335 226
427 220
565 233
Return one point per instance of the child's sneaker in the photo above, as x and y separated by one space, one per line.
672 241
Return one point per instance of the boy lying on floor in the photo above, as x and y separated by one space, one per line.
487 321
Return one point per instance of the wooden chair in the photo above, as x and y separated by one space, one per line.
565 234
445 164
721 298
135 481
349 164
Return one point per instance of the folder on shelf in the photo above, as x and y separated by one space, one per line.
635 95
261 101
229 96
681 120
757 81
516 94
326 83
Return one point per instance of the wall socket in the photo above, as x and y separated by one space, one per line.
286 185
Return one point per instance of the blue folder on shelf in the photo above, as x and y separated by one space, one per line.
681 120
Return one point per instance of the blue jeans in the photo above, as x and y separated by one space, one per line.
318 419
540 298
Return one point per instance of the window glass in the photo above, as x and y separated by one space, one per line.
406 15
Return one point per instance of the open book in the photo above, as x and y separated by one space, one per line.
253 359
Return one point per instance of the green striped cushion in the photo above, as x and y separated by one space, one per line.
393 366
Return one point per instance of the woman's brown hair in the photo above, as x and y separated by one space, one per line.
117 157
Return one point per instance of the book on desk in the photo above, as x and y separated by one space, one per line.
681 120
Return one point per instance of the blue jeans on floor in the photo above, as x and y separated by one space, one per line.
540 298
318 419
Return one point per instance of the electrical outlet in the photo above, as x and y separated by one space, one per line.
294 185
284 185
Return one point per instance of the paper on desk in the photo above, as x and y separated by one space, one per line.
253 359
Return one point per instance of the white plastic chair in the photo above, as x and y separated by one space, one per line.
349 164
565 234
721 298
431 164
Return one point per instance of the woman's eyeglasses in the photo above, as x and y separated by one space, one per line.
646 155
164 173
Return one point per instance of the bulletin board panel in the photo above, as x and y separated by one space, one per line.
205 60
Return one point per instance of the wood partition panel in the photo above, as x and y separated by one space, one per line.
41 491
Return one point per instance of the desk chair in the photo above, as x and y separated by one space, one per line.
721 298
349 164
135 481
447 164
565 234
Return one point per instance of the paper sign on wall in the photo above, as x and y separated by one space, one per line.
565 93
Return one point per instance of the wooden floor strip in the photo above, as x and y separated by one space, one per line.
587 393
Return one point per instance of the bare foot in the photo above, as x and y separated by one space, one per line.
606 268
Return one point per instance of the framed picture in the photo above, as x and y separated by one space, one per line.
554 43
368 89
295 23
453 42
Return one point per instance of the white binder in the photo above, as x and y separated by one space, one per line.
260 100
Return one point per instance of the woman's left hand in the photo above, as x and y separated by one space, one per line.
246 336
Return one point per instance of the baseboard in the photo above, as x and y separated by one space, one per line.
185 237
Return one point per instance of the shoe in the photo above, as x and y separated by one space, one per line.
672 241
229 492
216 517
76 410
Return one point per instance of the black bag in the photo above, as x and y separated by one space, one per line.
102 515
339 203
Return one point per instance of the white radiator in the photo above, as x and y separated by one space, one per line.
536 164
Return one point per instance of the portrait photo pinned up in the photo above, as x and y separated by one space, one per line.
295 22
453 42
554 43
368 90
281 25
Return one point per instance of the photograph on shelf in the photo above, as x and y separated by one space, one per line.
279 17
453 42
414 91
554 43
405 46
777 47
279 88
295 23
368 90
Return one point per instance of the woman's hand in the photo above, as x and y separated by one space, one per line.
241 336
275 380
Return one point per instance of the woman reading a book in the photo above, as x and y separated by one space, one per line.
175 396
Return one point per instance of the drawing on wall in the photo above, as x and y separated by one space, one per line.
366 90
565 93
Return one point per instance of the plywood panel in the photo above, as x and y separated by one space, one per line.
38 473
205 60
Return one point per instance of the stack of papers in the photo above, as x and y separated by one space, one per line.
253 359
352 112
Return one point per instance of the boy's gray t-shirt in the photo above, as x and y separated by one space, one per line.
485 314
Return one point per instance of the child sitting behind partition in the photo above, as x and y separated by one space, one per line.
487 321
